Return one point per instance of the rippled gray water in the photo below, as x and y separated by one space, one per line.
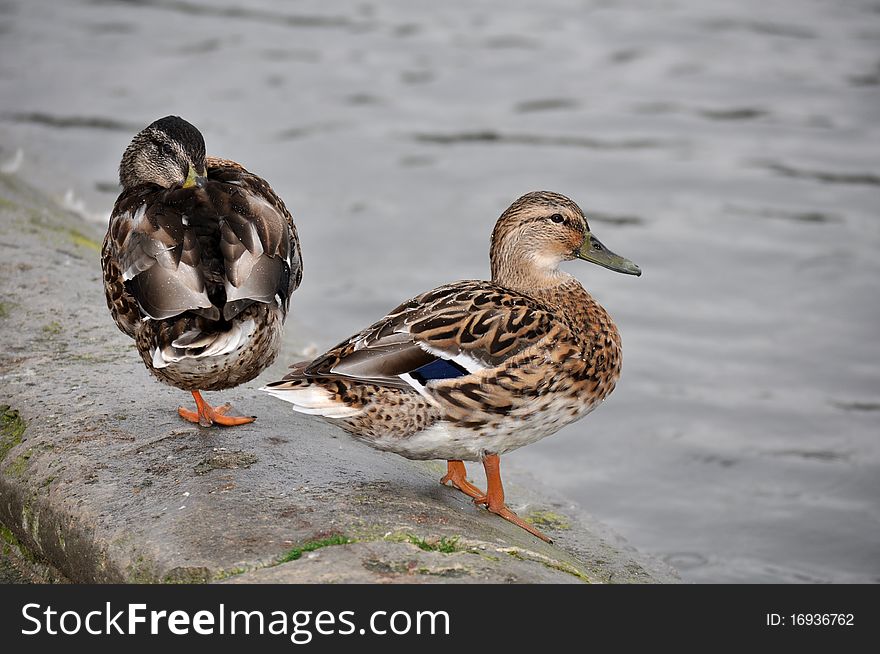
731 149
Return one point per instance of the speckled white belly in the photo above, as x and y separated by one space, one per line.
445 440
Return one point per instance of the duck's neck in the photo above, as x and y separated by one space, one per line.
525 272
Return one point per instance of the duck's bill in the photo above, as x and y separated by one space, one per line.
195 179
593 251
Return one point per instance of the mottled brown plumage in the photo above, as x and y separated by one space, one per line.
474 369
200 260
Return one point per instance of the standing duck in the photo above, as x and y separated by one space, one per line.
200 260
475 369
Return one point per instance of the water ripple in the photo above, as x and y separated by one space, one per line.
826 177
490 136
741 113
826 456
241 13
759 27
870 78
856 406
72 122
547 104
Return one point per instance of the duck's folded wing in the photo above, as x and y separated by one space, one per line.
158 259
453 331
258 239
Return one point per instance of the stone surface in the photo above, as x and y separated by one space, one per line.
102 482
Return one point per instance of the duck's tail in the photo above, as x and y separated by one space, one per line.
195 343
309 396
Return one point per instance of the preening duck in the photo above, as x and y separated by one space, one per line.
474 369
200 260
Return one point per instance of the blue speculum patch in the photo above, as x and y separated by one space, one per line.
438 369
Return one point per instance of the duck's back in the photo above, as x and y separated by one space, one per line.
197 272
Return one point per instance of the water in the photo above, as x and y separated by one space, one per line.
730 149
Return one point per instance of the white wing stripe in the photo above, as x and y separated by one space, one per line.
466 361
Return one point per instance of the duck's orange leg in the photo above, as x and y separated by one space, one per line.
494 497
206 415
456 473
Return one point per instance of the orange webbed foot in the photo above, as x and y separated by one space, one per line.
493 499
510 516
456 474
206 415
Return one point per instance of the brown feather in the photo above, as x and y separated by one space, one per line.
196 259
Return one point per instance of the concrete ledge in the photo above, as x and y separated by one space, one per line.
100 481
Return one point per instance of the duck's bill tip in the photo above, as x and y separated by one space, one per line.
593 251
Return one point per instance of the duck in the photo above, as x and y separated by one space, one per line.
474 369
199 263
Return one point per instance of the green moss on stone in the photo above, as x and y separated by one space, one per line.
53 328
546 519
19 465
11 429
84 241
297 552
30 522
444 545
140 571
547 562
197 575
233 572
11 545
8 537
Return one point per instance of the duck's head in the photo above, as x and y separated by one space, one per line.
168 152
537 233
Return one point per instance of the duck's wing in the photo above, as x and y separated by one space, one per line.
211 251
152 263
452 331
258 239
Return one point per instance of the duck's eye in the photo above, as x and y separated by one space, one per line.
166 149
557 218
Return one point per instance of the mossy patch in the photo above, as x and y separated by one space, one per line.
8 537
297 552
11 544
443 545
53 328
39 219
140 571
196 575
546 519
11 429
19 465
553 564
5 309
30 522
233 572
84 241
